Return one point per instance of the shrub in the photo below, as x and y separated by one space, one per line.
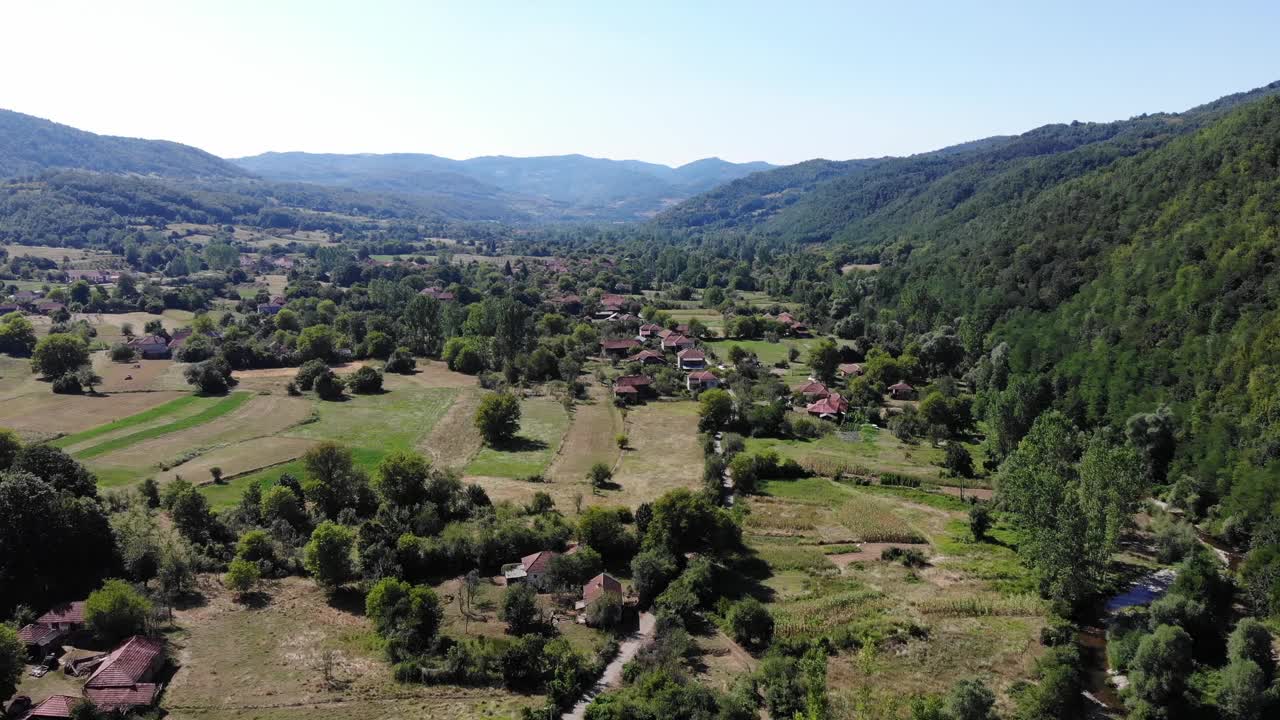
123 353
909 557
366 380
897 480
979 522
242 576
329 386
67 384
308 372
401 362
498 418
116 611
750 623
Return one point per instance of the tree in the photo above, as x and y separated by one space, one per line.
17 335
366 381
651 572
55 467
13 658
122 353
408 617
599 475
280 503
211 377
958 461
750 623
329 386
10 444
602 529
242 576
402 479
116 611
1243 694
1250 640
318 342
969 700
59 354
1160 667
498 418
715 410
824 358
605 611
400 362
307 373
327 556
571 571
333 481
979 522
520 610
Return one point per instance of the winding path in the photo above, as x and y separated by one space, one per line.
612 675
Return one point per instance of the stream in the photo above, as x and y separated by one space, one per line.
1093 637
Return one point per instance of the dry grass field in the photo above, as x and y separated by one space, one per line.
592 438
454 440
663 453
266 663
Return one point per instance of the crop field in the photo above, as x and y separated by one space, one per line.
663 453
266 663
878 453
592 438
207 411
543 423
48 252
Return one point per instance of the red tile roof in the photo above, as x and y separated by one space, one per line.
625 390
702 376
37 633
831 405
598 585
813 388
129 664
691 354
538 562
72 612
901 387
676 340
626 344
646 356
123 698
54 706
850 368
635 381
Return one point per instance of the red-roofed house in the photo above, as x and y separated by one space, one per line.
813 390
40 639
701 380
633 386
901 391
123 680
649 330
598 586
619 348
531 569
676 341
648 357
49 307
151 347
613 302
67 616
831 407
691 359
54 706
849 369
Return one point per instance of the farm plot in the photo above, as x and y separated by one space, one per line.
542 427
454 440
43 415
880 452
275 656
663 453
210 409
592 438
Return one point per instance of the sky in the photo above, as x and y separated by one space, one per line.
661 81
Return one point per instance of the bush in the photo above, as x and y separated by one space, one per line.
67 384
401 362
896 480
366 380
1174 538
979 522
242 576
498 418
307 374
211 377
750 624
116 611
122 353
329 386
909 557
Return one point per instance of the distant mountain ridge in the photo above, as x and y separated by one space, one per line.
30 145
554 187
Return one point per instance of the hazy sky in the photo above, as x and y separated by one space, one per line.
653 80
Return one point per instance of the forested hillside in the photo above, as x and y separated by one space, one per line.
30 145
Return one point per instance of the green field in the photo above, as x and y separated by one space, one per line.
219 407
542 426
879 453
373 426
170 408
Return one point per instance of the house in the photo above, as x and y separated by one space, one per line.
795 326
277 300
649 330
677 342
26 297
6 308
124 679
437 293
691 359
618 348
613 303
640 384
682 329
67 616
49 307
648 357
845 370
531 569
54 706
901 391
151 347
813 390
269 308
701 380
597 587
93 277
40 640
831 407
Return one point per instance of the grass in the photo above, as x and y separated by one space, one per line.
221 407
882 453
543 423
169 408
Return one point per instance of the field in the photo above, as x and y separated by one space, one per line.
542 427
881 452
967 613
272 655
711 318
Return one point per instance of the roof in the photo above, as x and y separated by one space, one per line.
54 706
636 381
626 344
900 386
625 390
612 300
831 405
691 354
538 562
813 387
37 634
602 583
644 355
72 612
128 664
702 376
850 368
651 328
675 340
570 300
123 698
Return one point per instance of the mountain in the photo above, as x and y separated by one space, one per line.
31 145
871 203
560 187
